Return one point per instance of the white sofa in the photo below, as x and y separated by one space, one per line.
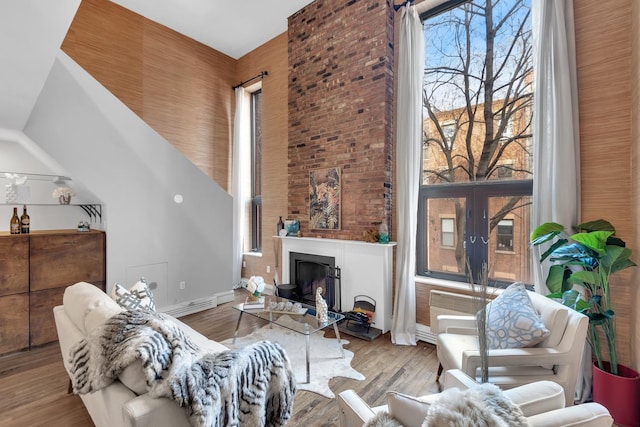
125 402
542 402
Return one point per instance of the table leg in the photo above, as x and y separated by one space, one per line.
235 333
335 328
308 373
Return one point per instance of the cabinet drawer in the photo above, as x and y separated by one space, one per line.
14 264
14 323
60 260
43 326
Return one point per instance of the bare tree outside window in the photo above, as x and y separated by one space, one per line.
477 105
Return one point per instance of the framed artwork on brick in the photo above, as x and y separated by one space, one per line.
324 199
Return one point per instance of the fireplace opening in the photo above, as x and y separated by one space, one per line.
309 272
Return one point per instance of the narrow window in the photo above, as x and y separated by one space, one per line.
505 235
447 232
256 171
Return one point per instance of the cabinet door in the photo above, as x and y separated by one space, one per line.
43 326
14 264
62 259
14 323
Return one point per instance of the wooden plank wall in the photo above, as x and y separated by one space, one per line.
603 45
635 179
270 57
180 87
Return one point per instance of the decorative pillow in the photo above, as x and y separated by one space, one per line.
138 297
407 410
512 320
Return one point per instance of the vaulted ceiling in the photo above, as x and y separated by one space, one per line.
31 32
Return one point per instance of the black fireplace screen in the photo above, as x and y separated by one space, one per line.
309 272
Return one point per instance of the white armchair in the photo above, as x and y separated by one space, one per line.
557 358
541 402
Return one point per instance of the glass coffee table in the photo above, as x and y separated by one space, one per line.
304 321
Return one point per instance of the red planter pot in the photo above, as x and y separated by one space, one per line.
620 394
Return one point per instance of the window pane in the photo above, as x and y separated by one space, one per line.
509 231
477 140
448 234
444 233
472 75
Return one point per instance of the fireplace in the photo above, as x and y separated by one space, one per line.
308 272
365 269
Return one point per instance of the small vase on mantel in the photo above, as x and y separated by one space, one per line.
64 199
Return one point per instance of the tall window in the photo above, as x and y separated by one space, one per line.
477 149
256 171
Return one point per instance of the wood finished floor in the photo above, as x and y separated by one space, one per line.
33 385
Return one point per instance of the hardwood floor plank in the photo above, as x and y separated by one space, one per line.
33 384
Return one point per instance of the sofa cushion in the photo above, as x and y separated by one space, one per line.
512 320
139 296
81 299
408 410
554 315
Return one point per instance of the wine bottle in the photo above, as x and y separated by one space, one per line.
24 221
14 225
280 226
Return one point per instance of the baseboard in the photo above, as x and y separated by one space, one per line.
423 333
226 296
190 307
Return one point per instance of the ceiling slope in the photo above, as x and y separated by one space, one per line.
31 32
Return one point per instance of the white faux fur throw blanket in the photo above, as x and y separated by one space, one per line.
482 406
253 386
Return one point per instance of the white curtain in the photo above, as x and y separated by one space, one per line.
239 147
556 182
408 155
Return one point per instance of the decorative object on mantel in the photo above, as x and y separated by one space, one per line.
63 194
83 226
383 233
321 307
293 227
371 235
324 199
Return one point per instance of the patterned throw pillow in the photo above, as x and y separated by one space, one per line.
138 297
512 320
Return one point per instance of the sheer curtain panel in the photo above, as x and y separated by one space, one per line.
556 182
240 145
408 155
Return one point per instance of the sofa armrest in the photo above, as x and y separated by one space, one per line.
354 411
537 397
450 323
585 415
147 411
533 356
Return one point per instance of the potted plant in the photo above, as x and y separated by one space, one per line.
586 260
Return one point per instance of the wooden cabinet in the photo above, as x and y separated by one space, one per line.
35 269
14 293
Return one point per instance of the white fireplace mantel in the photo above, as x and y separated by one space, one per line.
366 269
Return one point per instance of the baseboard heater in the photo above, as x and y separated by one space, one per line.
441 302
191 307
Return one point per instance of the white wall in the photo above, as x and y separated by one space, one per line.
135 173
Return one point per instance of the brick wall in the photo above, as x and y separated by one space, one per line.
340 109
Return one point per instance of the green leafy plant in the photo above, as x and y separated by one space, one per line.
586 259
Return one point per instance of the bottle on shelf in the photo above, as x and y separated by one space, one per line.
14 224
279 227
24 221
